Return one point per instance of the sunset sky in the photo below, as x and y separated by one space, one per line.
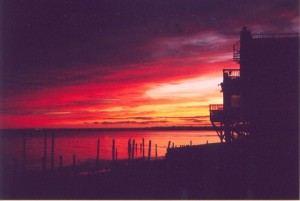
135 63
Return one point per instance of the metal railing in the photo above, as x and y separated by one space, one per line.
231 73
278 35
213 107
237 52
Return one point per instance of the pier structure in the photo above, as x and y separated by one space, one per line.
262 97
226 118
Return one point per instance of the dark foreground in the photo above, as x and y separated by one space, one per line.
214 171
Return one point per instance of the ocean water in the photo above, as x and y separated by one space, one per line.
83 144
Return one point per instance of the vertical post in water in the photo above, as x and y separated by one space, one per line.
156 151
52 152
173 145
143 145
132 149
113 149
60 161
74 160
129 149
45 152
141 150
169 144
191 143
116 153
97 159
74 163
149 150
24 151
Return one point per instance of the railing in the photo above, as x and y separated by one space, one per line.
213 107
231 73
236 52
216 112
278 35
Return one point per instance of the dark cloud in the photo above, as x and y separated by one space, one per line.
41 38
77 60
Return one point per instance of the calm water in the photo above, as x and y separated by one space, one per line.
83 144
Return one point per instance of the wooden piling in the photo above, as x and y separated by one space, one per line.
116 153
44 163
141 150
113 149
60 161
169 144
74 160
143 145
132 151
52 152
191 143
97 159
74 165
24 151
129 149
45 153
173 145
149 150
156 151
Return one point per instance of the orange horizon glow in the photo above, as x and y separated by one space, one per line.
134 103
171 90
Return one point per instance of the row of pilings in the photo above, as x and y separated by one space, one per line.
132 153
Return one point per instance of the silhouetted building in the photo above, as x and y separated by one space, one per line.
262 97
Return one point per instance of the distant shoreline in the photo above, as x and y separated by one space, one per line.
173 128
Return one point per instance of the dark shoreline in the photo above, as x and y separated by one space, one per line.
172 128
244 170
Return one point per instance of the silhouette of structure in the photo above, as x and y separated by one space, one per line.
262 97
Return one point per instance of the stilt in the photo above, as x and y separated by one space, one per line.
149 150
129 149
113 149
60 161
97 159
45 153
52 152
169 144
116 153
24 151
74 160
143 145
132 151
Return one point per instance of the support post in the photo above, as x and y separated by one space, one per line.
74 160
52 152
113 149
129 149
24 151
141 150
60 162
143 145
132 151
97 159
149 150
156 151
74 163
116 153
169 144
45 153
